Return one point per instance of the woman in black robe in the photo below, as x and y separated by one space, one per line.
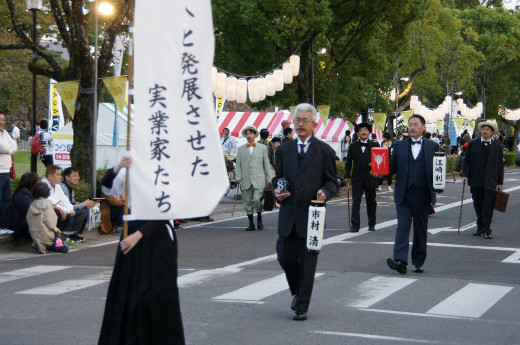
142 304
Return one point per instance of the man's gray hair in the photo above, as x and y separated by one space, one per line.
307 107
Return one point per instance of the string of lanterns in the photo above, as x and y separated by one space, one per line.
511 114
433 115
256 88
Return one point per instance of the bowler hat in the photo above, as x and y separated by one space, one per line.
489 124
249 128
363 125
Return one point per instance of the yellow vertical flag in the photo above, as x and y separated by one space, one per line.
220 106
495 122
406 116
439 124
324 111
471 125
292 108
379 120
68 91
116 86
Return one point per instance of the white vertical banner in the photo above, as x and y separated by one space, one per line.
119 49
178 168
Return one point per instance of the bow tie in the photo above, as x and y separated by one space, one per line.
364 144
249 145
486 142
416 142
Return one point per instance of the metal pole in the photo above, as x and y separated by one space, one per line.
33 156
95 112
312 67
129 108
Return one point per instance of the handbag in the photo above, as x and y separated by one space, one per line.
501 199
13 173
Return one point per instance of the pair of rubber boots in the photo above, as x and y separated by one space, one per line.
251 226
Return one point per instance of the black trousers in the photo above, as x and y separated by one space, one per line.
299 266
483 202
413 209
370 197
72 225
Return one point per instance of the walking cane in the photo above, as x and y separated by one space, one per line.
348 204
235 202
461 202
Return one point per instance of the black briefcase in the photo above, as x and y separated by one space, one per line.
501 199
268 199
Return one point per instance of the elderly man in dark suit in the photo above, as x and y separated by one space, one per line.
363 181
308 165
484 169
412 159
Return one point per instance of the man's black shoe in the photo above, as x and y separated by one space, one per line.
294 302
300 316
354 230
251 226
418 269
477 233
372 229
260 223
396 265
488 236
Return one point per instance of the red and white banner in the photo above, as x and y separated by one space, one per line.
176 147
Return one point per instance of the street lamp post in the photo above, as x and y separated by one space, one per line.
104 8
34 6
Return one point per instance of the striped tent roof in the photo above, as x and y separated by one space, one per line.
332 131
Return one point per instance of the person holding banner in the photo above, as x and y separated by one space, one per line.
142 305
412 160
483 168
252 171
359 153
307 165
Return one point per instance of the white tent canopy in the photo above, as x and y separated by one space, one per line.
107 155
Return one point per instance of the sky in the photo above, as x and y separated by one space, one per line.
510 4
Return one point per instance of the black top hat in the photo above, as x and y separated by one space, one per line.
363 125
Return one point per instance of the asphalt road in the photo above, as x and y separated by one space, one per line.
233 291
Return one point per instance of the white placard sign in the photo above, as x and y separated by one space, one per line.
315 226
439 172
178 168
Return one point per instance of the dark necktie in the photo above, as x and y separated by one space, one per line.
364 144
301 154
416 142
486 143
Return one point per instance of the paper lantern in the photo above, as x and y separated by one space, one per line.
295 61
414 102
252 90
287 72
220 92
231 88
241 90
278 85
270 85
262 87
214 73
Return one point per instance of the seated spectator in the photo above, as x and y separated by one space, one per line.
113 207
42 220
73 226
19 206
58 199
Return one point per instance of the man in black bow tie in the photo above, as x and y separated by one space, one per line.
484 169
363 181
412 160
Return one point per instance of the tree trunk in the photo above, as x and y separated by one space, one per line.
304 78
81 153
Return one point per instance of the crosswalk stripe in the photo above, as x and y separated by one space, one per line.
254 293
378 288
473 300
29 272
68 285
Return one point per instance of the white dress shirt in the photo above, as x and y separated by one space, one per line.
306 143
58 198
416 149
